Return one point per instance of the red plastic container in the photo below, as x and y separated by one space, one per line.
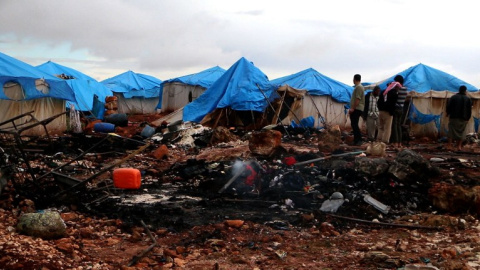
127 178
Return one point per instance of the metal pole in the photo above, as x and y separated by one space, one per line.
323 158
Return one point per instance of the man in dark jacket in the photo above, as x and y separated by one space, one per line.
459 111
386 107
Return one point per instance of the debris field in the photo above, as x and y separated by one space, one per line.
227 198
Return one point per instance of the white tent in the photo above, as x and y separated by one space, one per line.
136 93
26 89
325 98
180 91
136 105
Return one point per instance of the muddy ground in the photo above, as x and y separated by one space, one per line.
262 226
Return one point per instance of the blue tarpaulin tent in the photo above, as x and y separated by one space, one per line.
137 93
85 87
422 79
25 89
15 71
317 84
178 92
430 90
325 99
239 88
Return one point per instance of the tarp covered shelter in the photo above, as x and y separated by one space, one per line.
430 90
178 92
87 90
239 94
325 97
25 89
137 93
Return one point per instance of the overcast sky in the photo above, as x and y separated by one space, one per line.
172 38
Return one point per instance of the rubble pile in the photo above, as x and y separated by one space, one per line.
234 199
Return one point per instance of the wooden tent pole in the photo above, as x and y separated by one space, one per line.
218 119
277 114
285 105
319 113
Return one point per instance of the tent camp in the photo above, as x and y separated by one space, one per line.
90 94
25 89
137 93
238 97
180 91
325 98
430 89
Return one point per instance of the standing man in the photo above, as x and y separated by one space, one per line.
357 104
370 113
459 111
397 120
386 106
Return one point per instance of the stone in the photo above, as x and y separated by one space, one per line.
371 166
455 198
65 244
330 139
380 260
86 232
170 253
328 229
376 149
223 135
27 206
265 142
409 166
160 152
69 216
179 262
46 225
234 223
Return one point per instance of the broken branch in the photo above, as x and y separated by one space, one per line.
136 258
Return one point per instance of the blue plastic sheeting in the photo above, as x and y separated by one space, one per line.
98 109
238 88
422 78
307 122
204 79
476 122
317 84
133 84
84 86
13 70
418 117
54 69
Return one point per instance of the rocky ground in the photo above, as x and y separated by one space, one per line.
179 220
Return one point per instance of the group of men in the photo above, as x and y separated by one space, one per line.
384 113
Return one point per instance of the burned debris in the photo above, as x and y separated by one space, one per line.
181 177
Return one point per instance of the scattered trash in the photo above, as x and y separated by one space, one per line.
378 205
147 132
104 127
420 267
281 254
376 149
333 203
127 178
